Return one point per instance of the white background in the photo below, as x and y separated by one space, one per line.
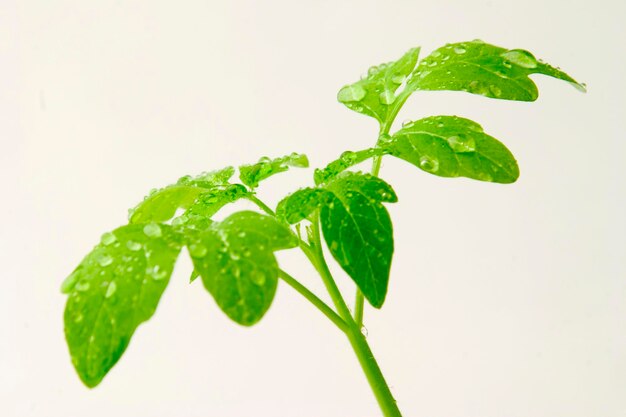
504 300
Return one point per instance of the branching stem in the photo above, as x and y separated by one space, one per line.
314 299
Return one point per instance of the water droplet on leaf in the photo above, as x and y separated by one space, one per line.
132 245
69 282
104 260
460 50
429 164
521 58
495 90
156 272
197 250
180 220
348 157
152 230
462 144
351 93
384 139
258 278
82 286
110 290
108 238
398 79
387 97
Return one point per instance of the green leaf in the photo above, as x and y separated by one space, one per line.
161 205
488 70
252 174
358 231
235 258
375 94
198 215
450 146
116 287
301 204
345 161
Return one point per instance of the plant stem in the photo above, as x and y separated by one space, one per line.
359 344
328 312
316 256
372 371
358 308
261 205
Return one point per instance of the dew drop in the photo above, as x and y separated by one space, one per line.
384 139
104 260
197 250
348 157
398 79
521 58
235 256
152 230
373 70
185 179
429 164
107 239
82 286
351 93
258 278
111 290
156 272
459 50
180 220
495 90
78 318
241 234
132 245
462 144
364 331
387 97
68 284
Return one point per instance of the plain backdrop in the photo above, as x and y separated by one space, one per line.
503 301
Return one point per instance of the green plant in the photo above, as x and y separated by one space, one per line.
118 284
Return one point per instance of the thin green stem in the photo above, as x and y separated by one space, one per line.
372 371
359 303
261 205
316 256
306 293
362 350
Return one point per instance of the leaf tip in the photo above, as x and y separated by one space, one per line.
582 87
